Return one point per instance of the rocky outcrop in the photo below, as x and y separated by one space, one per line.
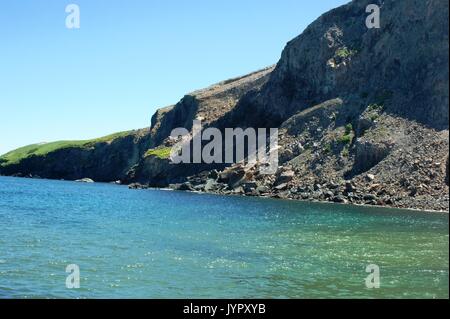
369 154
207 105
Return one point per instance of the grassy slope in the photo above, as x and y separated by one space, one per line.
161 152
17 155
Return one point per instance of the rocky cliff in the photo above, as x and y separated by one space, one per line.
362 114
104 160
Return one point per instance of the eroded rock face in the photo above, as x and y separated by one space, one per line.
206 105
368 154
404 65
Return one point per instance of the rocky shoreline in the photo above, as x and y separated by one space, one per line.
246 181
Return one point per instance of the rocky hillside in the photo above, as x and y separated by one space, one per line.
207 105
362 114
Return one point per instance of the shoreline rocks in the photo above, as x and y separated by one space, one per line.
85 180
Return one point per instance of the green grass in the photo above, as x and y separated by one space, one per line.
348 129
42 149
345 152
327 148
375 107
345 52
347 138
161 152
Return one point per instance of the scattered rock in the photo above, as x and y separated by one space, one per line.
85 180
211 185
137 186
284 177
262 189
329 194
370 197
340 199
281 187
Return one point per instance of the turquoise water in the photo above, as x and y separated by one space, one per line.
163 244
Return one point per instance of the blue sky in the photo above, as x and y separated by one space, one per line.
128 59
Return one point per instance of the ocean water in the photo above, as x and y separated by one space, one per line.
165 244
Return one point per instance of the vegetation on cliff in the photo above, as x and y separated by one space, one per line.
42 149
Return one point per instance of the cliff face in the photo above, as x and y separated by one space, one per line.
362 114
102 161
209 104
404 65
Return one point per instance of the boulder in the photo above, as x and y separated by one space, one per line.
284 177
262 189
137 186
232 176
211 185
84 180
281 187
340 199
370 197
185 187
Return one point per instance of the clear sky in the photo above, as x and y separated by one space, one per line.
128 59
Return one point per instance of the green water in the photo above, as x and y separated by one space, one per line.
162 244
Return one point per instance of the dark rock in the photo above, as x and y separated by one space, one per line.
340 199
284 177
137 186
304 195
369 154
370 197
186 187
332 185
349 187
249 187
232 176
213 174
199 188
329 194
